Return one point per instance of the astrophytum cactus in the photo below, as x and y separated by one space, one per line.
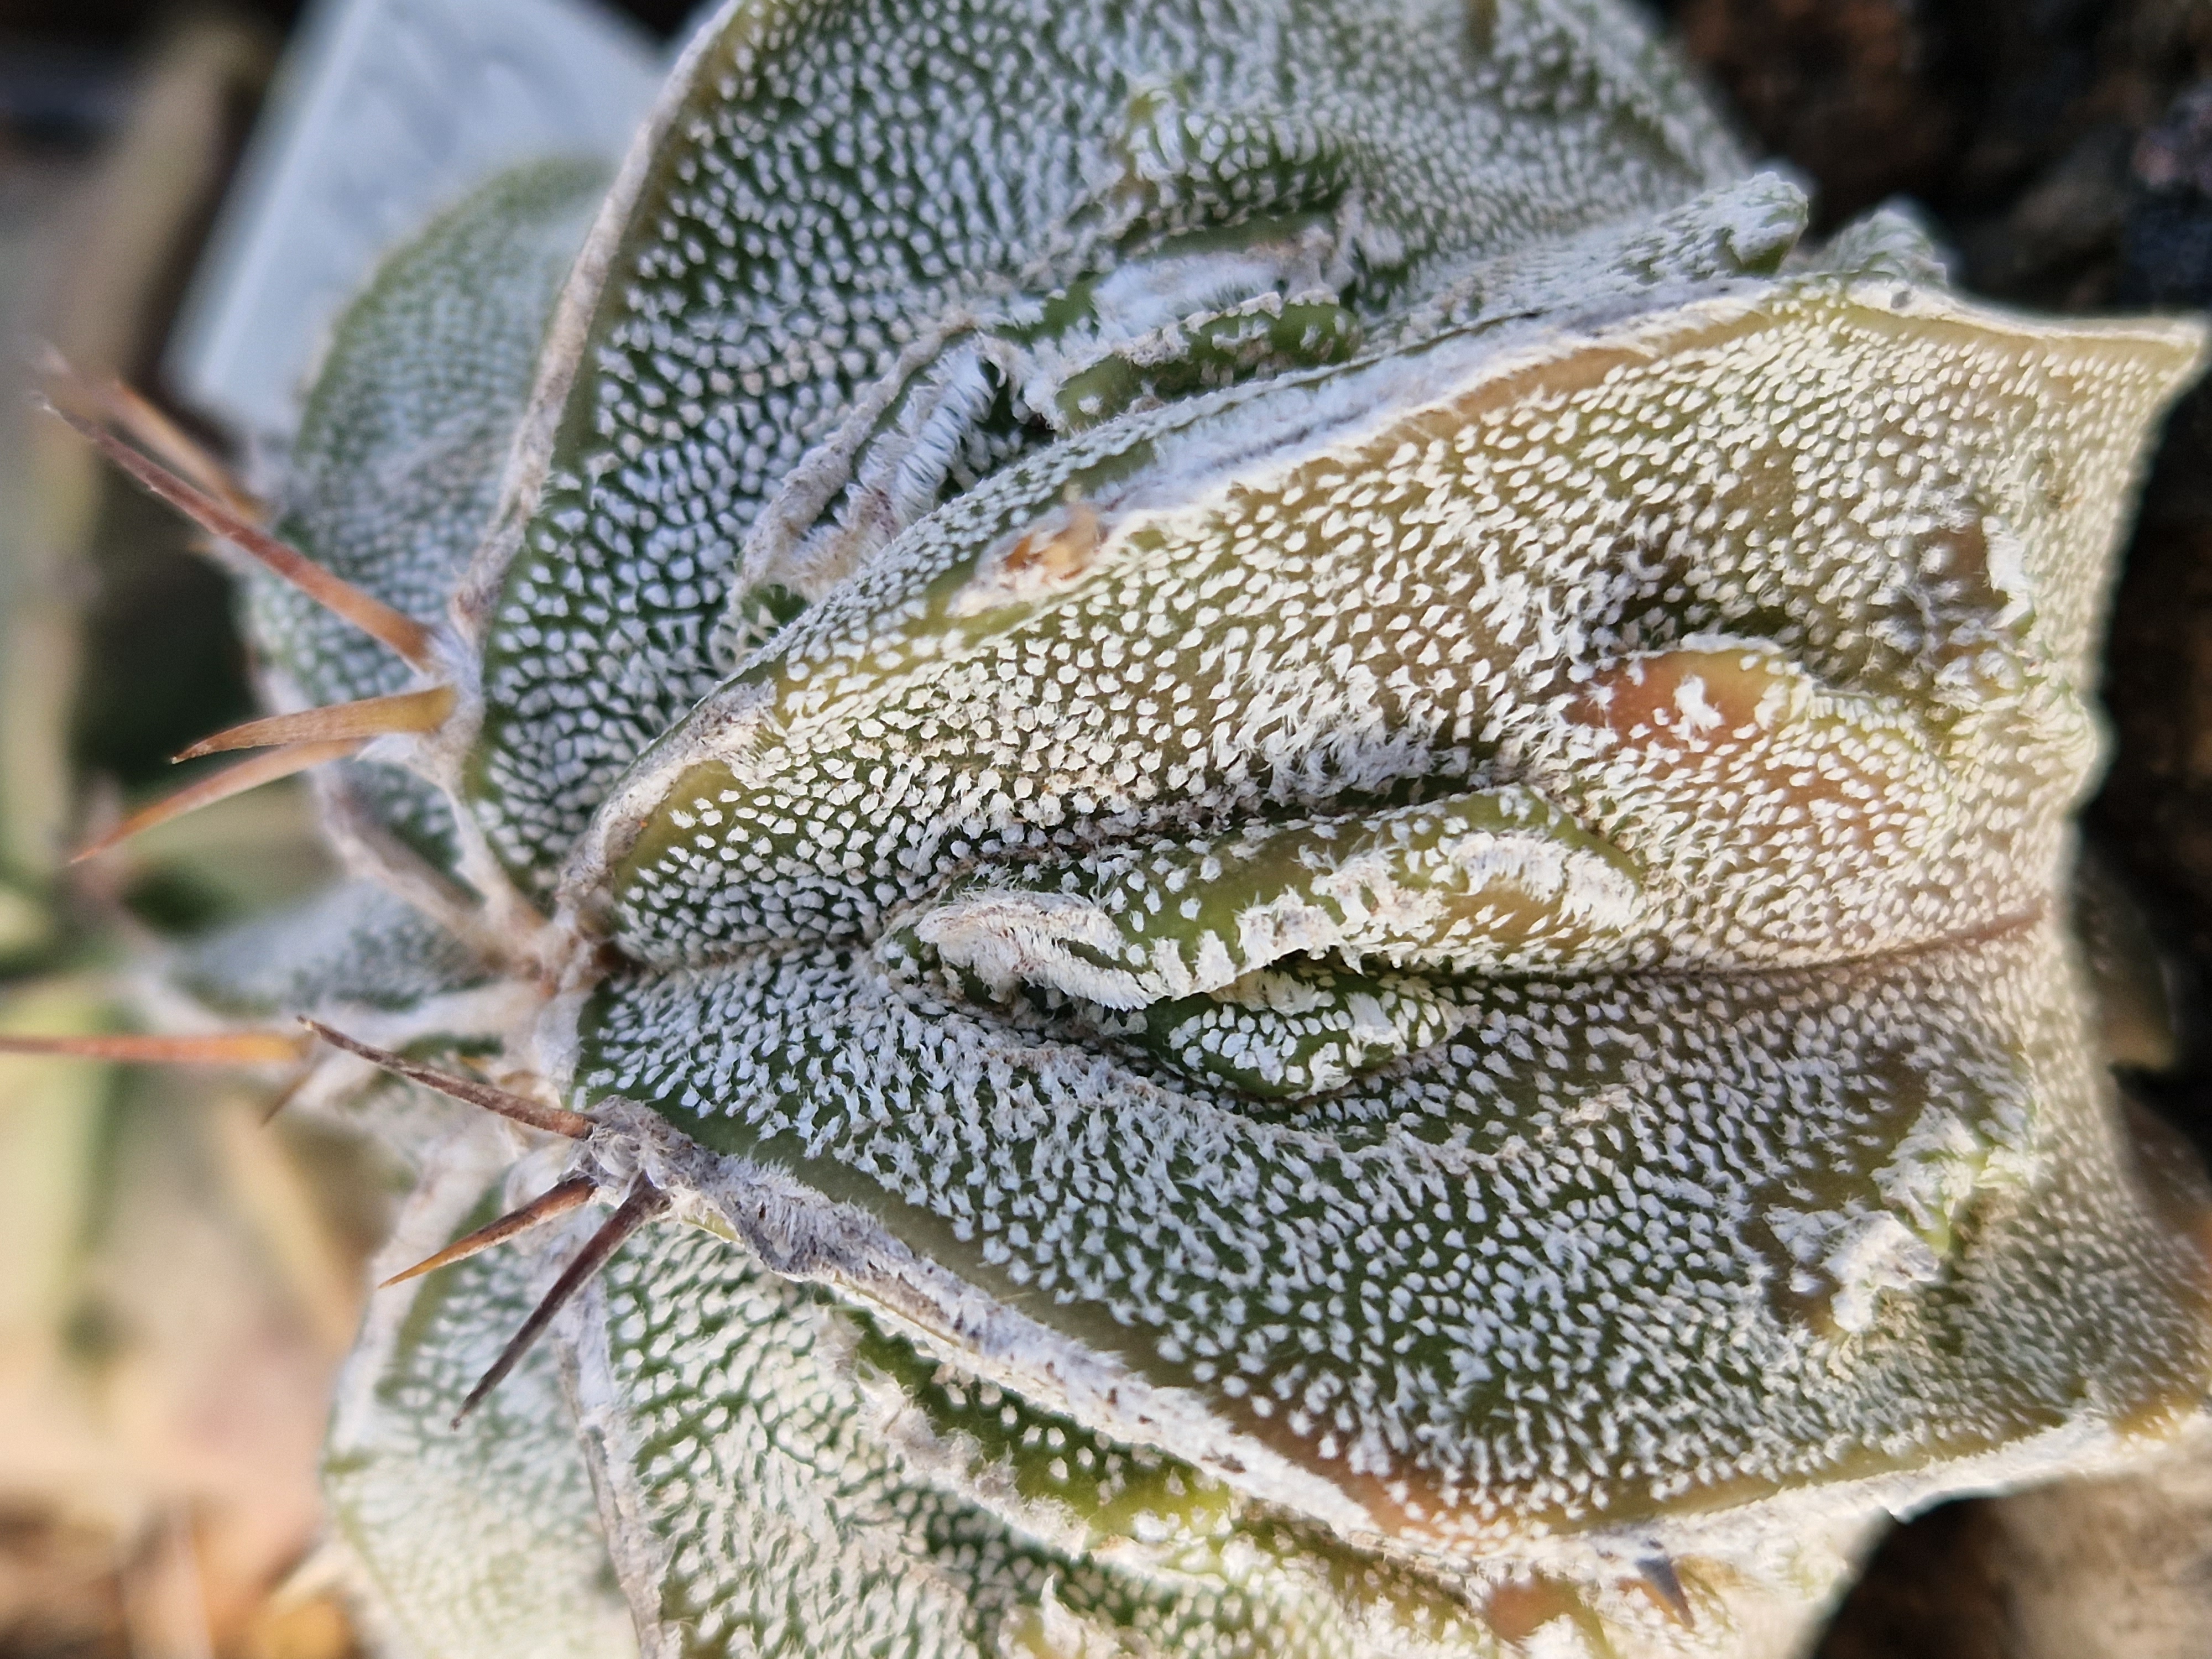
1268 838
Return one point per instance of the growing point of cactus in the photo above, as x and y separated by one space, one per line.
1284 832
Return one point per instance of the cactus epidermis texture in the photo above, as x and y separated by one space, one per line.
1312 819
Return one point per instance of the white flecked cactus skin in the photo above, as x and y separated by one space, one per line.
1309 819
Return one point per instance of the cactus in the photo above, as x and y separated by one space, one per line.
1255 843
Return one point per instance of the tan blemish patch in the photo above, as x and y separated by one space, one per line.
1726 716
1052 554
1698 697
1517 1610
1066 552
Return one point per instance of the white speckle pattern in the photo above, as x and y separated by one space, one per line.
1728 588
816 1487
351 946
1551 1274
842 192
395 467
483 1540
1482 883
1314 817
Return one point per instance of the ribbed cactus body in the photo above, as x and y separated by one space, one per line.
1311 820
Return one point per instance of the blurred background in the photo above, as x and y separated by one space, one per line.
178 1281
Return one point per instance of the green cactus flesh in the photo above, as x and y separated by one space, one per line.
1312 818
